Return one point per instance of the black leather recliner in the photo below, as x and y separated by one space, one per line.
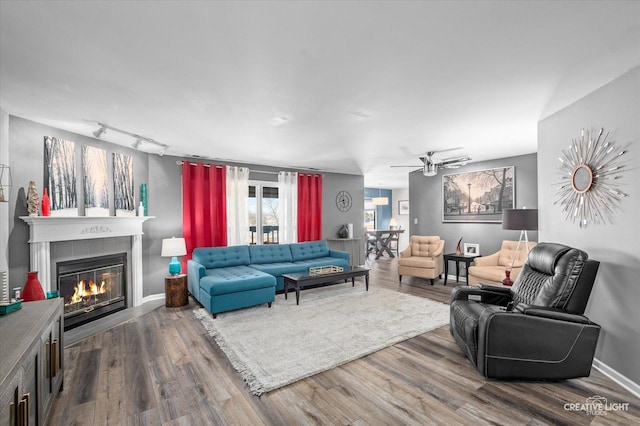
534 329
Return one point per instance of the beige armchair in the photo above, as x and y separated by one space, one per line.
423 258
490 269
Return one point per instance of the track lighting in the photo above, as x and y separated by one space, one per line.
141 142
99 132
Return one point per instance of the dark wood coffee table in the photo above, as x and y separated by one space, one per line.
304 280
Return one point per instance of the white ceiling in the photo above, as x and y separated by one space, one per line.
348 87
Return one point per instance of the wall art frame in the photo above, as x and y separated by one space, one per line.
478 196
60 176
95 181
590 170
123 192
403 207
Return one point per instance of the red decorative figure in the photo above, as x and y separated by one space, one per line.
32 289
46 204
458 249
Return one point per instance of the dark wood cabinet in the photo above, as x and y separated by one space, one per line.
32 362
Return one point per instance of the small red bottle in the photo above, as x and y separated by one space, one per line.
46 204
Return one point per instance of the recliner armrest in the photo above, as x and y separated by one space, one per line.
543 312
475 293
495 288
463 292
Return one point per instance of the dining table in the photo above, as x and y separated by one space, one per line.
382 239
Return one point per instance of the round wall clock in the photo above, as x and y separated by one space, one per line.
589 176
343 201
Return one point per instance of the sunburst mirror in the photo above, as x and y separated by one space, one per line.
589 172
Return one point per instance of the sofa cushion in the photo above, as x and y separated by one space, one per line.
235 279
322 261
221 257
309 250
490 273
279 268
418 262
269 253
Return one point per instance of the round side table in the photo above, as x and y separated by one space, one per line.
175 291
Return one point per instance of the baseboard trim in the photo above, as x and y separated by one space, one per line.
614 375
152 297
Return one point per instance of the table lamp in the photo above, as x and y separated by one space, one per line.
173 247
522 220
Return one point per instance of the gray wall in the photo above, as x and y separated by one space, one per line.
616 294
425 195
163 178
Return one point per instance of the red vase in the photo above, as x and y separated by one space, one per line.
46 204
32 289
507 281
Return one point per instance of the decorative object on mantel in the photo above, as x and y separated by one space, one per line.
46 204
5 183
343 232
143 198
33 201
522 220
589 174
458 249
32 289
173 247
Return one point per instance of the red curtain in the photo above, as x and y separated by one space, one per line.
309 207
204 206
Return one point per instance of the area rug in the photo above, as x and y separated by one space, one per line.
273 347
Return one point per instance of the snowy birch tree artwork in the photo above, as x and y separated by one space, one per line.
60 176
123 196
96 181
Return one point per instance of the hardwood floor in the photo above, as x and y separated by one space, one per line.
161 369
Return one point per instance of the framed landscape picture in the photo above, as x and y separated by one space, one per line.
478 196
60 176
95 181
123 196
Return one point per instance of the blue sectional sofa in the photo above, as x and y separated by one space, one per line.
227 278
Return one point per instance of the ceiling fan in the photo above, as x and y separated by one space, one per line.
430 167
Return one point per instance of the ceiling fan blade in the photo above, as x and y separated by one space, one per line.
453 161
414 166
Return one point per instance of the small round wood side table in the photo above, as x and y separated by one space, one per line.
175 291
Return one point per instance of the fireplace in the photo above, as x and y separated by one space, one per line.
92 287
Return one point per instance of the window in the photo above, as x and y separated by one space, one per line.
369 214
263 212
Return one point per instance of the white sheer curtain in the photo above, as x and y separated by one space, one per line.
237 206
288 207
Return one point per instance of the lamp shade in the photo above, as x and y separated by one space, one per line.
173 247
520 219
380 201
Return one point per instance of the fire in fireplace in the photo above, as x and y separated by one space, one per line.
92 287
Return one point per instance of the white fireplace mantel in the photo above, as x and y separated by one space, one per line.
43 230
